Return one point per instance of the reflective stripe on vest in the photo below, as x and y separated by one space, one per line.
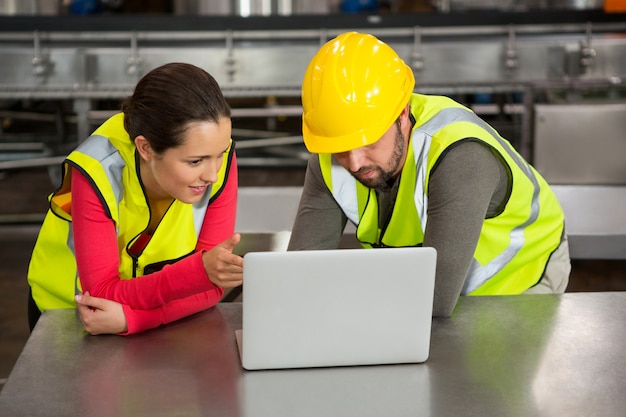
478 274
441 123
101 149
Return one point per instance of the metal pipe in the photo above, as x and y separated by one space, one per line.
31 163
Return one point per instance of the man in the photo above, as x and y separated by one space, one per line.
409 170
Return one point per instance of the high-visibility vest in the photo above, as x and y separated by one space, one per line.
108 159
514 246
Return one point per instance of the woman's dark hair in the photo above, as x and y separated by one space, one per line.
167 99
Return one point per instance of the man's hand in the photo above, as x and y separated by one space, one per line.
224 268
100 316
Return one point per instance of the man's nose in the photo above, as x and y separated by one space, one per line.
355 159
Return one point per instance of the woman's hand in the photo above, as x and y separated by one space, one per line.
101 316
224 268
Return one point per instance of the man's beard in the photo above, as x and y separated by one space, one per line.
383 178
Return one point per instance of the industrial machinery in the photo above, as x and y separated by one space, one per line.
553 82
72 71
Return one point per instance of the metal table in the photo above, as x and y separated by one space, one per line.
529 355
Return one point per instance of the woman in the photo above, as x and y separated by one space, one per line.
144 219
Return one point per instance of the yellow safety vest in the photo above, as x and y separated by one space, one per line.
108 159
514 246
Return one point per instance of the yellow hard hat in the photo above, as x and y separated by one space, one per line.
354 89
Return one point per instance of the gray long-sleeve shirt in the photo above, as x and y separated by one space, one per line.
469 184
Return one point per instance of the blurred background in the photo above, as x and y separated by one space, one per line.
549 75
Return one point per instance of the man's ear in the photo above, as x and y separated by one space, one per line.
405 117
144 148
406 111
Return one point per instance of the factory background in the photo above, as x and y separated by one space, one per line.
549 75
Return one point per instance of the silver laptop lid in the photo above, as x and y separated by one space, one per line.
337 307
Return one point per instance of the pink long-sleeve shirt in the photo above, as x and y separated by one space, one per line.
178 290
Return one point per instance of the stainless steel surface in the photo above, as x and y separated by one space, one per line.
581 143
524 5
355 391
519 61
594 215
531 60
202 7
252 7
96 64
29 7
595 220
267 209
265 216
575 4
528 355
31 162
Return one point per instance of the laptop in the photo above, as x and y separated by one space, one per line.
343 307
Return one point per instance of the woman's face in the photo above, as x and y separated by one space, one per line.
185 172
